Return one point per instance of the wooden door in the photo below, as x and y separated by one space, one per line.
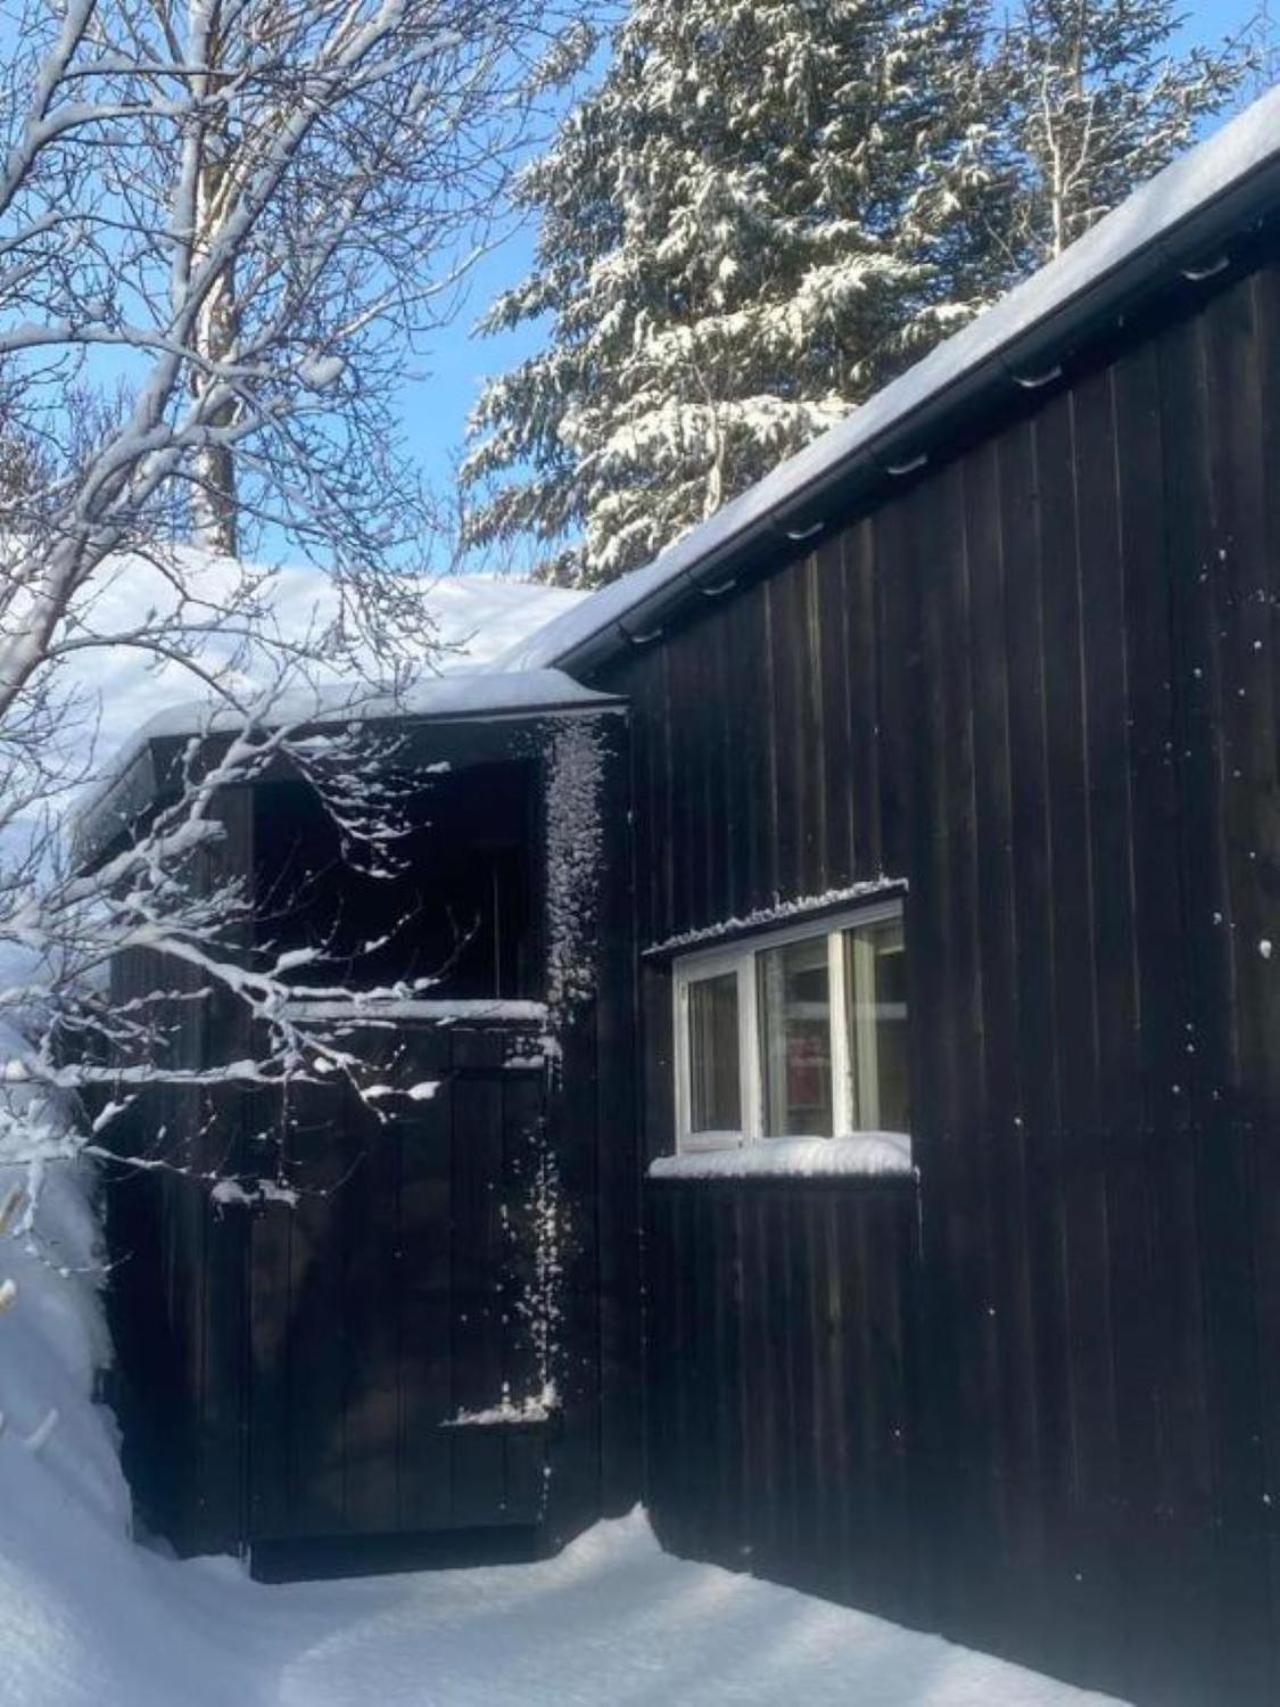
400 1308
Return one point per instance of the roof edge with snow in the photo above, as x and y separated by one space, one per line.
1175 225
142 771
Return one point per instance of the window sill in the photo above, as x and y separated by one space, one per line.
375 1006
862 1155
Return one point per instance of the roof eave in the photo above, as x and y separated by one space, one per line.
1197 250
148 778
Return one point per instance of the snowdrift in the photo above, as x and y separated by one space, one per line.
88 1618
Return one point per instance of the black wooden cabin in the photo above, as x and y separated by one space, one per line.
948 801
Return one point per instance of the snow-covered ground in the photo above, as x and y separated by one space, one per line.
89 1619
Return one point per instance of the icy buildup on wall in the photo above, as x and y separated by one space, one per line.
575 774
535 1223
509 1412
780 913
574 762
535 1226
541 1307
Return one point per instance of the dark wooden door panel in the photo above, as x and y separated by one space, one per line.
396 1358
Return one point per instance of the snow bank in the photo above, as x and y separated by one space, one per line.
89 1619
866 1155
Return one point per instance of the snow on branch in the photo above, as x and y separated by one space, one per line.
223 230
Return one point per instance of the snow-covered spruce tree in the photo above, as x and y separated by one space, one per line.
242 213
766 209
771 207
1096 103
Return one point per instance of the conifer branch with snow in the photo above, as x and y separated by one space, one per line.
769 208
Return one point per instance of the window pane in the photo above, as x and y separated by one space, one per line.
795 1039
715 1096
876 962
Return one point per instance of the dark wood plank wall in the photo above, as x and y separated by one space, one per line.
290 1371
781 1423
286 1372
177 1295
391 1299
1039 684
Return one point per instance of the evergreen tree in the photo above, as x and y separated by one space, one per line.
748 227
769 208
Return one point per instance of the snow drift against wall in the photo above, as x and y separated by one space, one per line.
89 1619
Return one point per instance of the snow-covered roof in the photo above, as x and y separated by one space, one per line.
476 619
1170 224
141 698
469 698
462 694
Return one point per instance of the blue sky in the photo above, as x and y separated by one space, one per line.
449 375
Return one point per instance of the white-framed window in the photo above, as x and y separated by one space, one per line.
799 1032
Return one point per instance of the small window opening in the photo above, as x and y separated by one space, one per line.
801 1033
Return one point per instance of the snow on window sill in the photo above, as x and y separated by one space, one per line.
356 1007
865 1155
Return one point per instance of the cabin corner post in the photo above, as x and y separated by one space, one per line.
619 1193
593 1450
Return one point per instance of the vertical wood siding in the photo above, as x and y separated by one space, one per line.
385 1304
287 1375
783 1354
1039 684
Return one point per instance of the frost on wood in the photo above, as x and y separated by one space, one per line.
778 913
535 1232
228 1191
509 1412
575 777
541 1308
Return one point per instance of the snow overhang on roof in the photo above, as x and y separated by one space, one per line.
461 694
1178 225
474 714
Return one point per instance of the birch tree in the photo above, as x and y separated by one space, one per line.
1097 102
224 226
